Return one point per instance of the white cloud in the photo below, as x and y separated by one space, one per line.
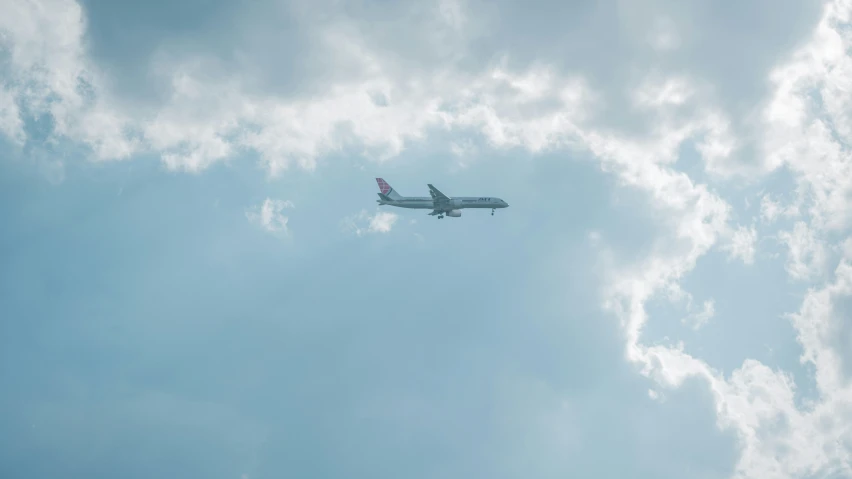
269 215
464 151
742 244
806 255
50 72
382 222
783 440
701 318
364 223
770 210
779 439
656 94
11 124
808 121
206 121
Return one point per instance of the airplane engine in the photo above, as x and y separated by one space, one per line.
454 213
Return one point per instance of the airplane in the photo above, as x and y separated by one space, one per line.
439 203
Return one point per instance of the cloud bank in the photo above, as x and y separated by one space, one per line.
665 104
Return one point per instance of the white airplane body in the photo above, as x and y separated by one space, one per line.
439 203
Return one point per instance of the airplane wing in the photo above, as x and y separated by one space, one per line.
437 197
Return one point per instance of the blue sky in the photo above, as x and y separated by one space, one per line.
197 281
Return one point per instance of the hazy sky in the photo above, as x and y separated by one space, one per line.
196 281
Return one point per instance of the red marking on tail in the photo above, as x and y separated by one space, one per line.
383 186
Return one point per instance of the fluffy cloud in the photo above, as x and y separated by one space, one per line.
770 210
269 215
49 73
806 255
808 120
702 317
11 124
365 223
743 243
376 107
780 438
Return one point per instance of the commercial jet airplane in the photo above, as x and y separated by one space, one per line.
439 203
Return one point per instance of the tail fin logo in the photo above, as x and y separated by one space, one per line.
384 187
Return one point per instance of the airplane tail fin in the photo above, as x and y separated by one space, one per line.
386 191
